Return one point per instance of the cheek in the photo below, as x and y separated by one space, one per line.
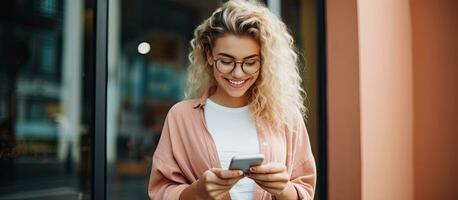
216 76
219 79
255 78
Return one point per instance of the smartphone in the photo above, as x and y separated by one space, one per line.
244 162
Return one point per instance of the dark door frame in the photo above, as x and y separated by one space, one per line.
322 179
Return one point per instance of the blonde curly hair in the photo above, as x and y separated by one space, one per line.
277 96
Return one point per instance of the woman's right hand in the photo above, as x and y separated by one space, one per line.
213 184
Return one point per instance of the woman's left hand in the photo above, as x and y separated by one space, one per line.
272 177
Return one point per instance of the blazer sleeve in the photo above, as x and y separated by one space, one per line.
303 175
166 180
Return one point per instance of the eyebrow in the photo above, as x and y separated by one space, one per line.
227 55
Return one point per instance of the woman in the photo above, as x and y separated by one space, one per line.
244 97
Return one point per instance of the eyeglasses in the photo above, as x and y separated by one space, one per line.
227 65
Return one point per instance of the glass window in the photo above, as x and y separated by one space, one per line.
45 141
147 61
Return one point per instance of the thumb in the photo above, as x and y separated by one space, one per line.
225 174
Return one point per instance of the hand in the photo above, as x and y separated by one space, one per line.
216 182
273 178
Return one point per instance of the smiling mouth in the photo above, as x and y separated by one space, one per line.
236 84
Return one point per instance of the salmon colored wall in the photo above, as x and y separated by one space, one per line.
392 99
385 66
344 160
435 53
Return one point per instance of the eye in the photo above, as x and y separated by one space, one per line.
250 62
226 61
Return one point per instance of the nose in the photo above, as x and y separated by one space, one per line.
238 71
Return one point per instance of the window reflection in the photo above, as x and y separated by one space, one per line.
44 145
147 65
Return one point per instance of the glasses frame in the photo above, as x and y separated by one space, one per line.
235 65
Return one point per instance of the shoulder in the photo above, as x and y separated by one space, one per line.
296 128
295 121
182 116
183 108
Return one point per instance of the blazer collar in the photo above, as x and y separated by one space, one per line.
201 102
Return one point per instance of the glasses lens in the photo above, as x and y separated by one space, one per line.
225 65
251 66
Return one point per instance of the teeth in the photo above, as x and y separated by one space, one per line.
236 82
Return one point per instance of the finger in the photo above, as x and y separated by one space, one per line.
272 191
277 177
268 168
271 185
217 190
224 182
227 174
220 194
227 182
212 187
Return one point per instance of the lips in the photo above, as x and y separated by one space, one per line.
235 83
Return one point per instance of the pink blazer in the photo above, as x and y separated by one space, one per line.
186 150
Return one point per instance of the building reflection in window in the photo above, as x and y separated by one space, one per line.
44 142
147 62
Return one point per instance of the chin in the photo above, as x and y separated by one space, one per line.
236 94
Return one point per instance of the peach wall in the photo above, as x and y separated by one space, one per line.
386 99
344 160
392 99
435 47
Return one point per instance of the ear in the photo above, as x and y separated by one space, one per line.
209 58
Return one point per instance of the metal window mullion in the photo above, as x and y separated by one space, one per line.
99 142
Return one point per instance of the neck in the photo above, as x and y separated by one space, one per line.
222 98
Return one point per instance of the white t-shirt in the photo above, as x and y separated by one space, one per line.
234 133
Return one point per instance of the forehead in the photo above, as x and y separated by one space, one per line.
237 46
